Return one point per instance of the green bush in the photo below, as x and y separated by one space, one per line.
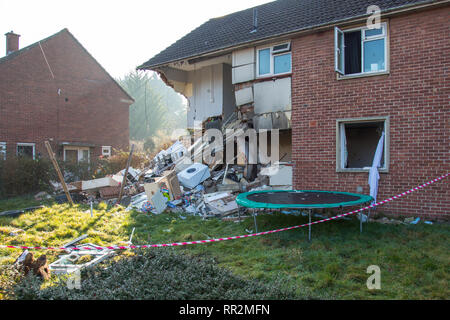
156 275
24 175
20 175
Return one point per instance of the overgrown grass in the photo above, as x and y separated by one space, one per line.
413 259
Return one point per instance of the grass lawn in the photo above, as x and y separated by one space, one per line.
414 259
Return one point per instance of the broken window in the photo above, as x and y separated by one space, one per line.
357 143
26 150
361 50
274 60
2 150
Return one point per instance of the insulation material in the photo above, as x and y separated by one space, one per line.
263 121
207 98
244 96
280 121
272 96
243 73
101 182
243 57
281 176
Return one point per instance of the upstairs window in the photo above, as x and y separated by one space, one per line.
274 60
361 51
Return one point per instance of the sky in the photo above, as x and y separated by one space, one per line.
119 34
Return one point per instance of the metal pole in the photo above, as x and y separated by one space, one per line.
254 218
309 227
360 220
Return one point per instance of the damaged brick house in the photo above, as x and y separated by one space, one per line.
55 90
334 87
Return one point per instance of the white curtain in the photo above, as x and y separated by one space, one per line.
374 176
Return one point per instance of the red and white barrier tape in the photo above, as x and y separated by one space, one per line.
115 247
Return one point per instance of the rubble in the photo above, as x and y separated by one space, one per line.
175 182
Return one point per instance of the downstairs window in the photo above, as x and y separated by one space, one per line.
2 150
357 142
26 150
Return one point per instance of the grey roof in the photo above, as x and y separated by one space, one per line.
274 19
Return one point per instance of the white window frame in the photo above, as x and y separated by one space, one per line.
384 35
272 58
3 150
79 153
340 150
108 148
25 144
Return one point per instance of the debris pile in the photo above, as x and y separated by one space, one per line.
177 181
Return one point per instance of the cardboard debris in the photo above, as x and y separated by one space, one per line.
95 184
170 181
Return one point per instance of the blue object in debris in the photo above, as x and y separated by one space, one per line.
415 221
170 205
147 207
428 222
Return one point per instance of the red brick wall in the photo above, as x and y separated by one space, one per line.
415 95
87 110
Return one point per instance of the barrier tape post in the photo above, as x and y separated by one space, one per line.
115 247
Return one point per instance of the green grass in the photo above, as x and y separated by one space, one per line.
413 259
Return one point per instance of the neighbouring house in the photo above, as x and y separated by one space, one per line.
55 90
333 84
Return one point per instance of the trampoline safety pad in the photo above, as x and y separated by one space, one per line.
300 199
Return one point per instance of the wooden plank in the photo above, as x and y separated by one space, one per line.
58 171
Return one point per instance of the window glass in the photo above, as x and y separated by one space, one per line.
374 59
340 52
281 47
2 150
264 61
85 156
282 63
71 156
25 151
359 142
373 32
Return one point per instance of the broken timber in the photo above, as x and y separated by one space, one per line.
58 171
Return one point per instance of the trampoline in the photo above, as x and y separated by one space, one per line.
301 199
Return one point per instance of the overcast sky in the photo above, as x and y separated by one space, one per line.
119 34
